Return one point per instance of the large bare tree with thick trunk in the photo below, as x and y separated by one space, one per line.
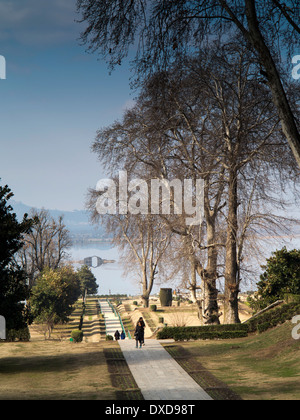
210 118
163 30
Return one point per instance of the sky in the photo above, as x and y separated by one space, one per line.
53 100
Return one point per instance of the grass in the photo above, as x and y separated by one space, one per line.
54 370
259 367
58 370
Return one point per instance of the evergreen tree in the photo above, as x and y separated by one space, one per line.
87 280
281 276
13 287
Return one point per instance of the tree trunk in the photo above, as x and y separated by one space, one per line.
231 314
289 126
145 300
211 313
210 275
194 288
145 293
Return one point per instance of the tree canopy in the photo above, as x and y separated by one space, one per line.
165 30
88 281
53 296
13 287
281 276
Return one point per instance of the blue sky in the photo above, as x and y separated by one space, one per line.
53 101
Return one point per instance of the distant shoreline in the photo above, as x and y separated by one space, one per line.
90 241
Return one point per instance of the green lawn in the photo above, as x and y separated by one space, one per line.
260 367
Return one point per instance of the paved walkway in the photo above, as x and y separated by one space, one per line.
158 375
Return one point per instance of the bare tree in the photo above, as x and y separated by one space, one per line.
45 246
141 238
156 134
164 30
247 125
211 118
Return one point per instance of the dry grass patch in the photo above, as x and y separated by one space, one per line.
57 370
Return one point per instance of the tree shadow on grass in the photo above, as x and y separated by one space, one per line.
46 364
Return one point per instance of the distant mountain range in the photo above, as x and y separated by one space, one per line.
77 221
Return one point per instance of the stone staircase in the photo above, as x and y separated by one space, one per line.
112 322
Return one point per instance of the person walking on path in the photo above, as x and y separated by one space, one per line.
139 334
117 335
143 325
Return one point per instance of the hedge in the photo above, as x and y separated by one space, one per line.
274 317
18 335
207 332
291 298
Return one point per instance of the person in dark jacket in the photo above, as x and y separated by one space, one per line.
139 334
117 335
143 325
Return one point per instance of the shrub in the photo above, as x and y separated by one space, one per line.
109 337
18 335
161 320
134 303
77 336
153 308
290 298
274 317
263 327
24 334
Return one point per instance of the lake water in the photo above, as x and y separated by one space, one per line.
109 276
